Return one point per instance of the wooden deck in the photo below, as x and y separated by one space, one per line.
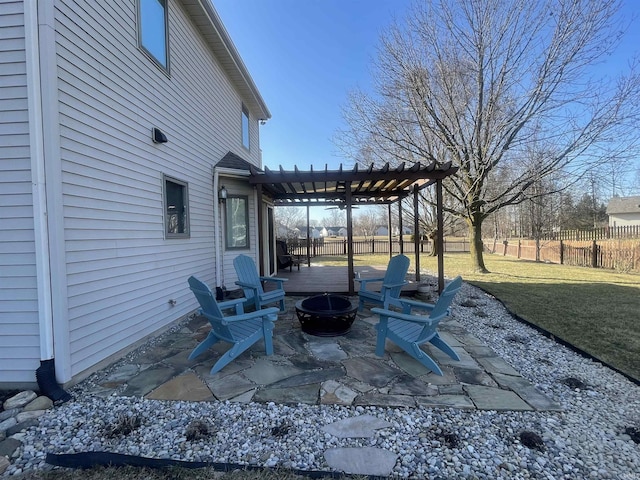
329 279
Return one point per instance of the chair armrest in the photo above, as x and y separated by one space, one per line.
411 304
405 316
235 303
274 279
271 311
392 285
246 285
365 281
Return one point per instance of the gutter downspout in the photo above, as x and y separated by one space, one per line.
45 374
216 228
38 180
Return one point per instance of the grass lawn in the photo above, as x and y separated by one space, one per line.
595 310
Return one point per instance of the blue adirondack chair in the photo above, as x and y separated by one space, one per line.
392 283
241 330
251 284
409 331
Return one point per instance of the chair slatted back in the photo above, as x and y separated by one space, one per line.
248 273
396 274
441 307
210 309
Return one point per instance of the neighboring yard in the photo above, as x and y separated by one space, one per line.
595 310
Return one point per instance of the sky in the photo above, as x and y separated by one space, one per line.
305 56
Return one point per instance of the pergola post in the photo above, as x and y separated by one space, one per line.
260 229
400 225
389 235
416 231
439 235
350 269
308 241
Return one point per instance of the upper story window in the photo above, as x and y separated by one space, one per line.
152 30
245 127
176 208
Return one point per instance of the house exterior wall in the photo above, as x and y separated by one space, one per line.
624 219
19 327
118 269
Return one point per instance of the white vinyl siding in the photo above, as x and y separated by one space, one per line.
121 271
19 338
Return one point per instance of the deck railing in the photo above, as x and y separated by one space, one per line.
321 247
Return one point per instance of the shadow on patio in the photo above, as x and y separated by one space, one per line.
306 369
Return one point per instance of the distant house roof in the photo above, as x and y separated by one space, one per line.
623 205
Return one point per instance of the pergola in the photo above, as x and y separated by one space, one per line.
350 188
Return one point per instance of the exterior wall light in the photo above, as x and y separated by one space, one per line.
222 194
157 136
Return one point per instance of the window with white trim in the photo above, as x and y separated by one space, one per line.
152 30
176 208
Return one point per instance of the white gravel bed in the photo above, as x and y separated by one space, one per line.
585 440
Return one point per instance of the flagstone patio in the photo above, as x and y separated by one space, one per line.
340 370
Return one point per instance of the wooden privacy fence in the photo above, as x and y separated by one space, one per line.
319 247
602 233
622 255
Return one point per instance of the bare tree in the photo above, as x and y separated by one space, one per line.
488 85
334 217
365 222
289 218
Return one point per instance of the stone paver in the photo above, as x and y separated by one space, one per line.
409 364
266 371
335 393
371 371
490 398
305 378
185 387
526 391
330 352
148 380
385 400
229 386
246 397
361 461
362 426
454 401
121 375
406 385
305 394
472 376
497 365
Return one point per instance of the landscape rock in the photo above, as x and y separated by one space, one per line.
19 400
39 403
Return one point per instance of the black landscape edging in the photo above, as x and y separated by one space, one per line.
85 460
558 339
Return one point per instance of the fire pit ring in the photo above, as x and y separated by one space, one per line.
326 315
